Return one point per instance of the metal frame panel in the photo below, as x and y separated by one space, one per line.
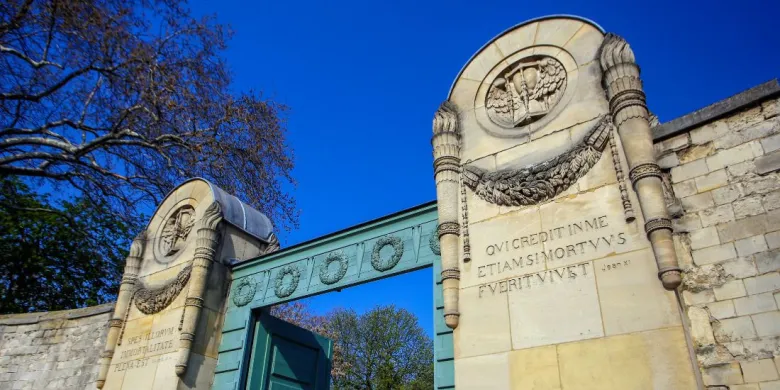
303 270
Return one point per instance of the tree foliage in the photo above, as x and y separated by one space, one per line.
384 348
51 261
121 100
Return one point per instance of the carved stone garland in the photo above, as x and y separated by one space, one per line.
150 300
326 276
542 181
398 252
433 242
283 290
629 112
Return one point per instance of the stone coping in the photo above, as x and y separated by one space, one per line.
34 318
716 110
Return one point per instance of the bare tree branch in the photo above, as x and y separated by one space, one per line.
92 99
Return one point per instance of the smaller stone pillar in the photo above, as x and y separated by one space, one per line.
629 111
446 166
126 290
205 251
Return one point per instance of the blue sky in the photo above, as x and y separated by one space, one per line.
363 80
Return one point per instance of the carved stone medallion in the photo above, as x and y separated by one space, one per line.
525 91
175 230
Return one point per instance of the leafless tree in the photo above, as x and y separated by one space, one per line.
122 100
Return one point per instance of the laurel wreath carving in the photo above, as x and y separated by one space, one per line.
543 181
433 242
244 292
150 300
398 251
326 276
280 289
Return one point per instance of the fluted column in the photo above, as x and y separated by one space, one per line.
126 289
207 242
630 114
446 166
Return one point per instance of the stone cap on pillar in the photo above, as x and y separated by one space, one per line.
235 212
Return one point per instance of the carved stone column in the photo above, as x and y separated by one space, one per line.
446 166
205 251
630 114
126 289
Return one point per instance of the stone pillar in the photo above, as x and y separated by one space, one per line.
126 290
629 111
205 251
446 166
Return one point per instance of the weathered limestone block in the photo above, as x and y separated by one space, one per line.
728 374
701 331
704 278
768 163
759 371
52 350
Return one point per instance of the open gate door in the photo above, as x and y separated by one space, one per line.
288 357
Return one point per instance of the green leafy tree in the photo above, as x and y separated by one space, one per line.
385 348
53 260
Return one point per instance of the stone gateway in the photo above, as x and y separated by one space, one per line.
576 243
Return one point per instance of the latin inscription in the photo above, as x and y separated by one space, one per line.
552 276
523 255
156 341
132 364
564 245
139 363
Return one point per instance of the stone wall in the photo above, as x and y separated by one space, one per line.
55 350
724 175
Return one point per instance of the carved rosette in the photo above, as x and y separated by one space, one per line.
207 242
126 289
446 167
629 111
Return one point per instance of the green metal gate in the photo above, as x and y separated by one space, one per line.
336 261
